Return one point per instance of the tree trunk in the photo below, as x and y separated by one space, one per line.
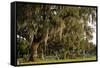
45 40
34 54
62 26
60 33
42 55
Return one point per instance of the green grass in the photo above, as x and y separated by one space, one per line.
55 61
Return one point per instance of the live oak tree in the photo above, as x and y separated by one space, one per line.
53 29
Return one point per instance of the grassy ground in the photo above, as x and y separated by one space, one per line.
55 61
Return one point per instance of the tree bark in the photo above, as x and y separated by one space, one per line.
34 54
45 40
60 33
42 55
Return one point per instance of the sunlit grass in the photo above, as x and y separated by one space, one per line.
56 61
